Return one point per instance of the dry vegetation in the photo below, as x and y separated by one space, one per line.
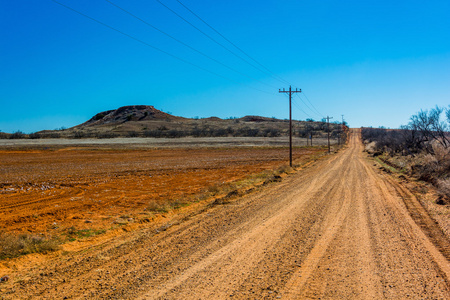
13 245
420 149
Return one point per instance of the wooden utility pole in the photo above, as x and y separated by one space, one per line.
290 119
328 130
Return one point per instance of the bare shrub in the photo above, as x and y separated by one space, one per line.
213 189
220 132
79 134
132 134
429 159
175 133
35 135
370 147
51 134
18 135
272 178
401 141
153 133
425 168
271 132
285 169
106 135
247 131
430 125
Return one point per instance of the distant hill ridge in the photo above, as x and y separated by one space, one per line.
147 121
149 113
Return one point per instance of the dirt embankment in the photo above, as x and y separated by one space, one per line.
336 230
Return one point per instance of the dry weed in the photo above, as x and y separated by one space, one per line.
441 154
157 207
283 170
444 190
370 147
13 245
429 159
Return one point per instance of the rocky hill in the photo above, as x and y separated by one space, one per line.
147 121
128 113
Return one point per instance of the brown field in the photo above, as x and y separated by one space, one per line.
74 188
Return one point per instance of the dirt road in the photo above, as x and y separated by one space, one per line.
336 230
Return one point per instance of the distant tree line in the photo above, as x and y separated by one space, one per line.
313 129
214 132
307 130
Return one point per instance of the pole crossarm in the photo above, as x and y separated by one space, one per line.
290 92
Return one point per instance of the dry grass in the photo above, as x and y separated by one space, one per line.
441 153
164 207
432 168
222 192
14 245
443 186
74 234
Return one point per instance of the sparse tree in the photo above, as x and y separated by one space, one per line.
431 126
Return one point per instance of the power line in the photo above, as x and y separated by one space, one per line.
306 105
313 109
312 105
226 39
183 43
211 38
151 46
299 108
140 41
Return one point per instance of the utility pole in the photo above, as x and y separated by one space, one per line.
290 119
328 129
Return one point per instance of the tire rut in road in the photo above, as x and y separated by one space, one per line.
335 218
423 219
258 260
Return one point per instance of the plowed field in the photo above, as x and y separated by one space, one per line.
52 190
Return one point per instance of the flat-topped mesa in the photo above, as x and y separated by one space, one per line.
128 113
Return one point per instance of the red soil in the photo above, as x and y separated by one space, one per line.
49 191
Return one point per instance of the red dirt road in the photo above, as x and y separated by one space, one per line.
335 230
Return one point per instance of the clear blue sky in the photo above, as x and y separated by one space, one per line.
375 62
